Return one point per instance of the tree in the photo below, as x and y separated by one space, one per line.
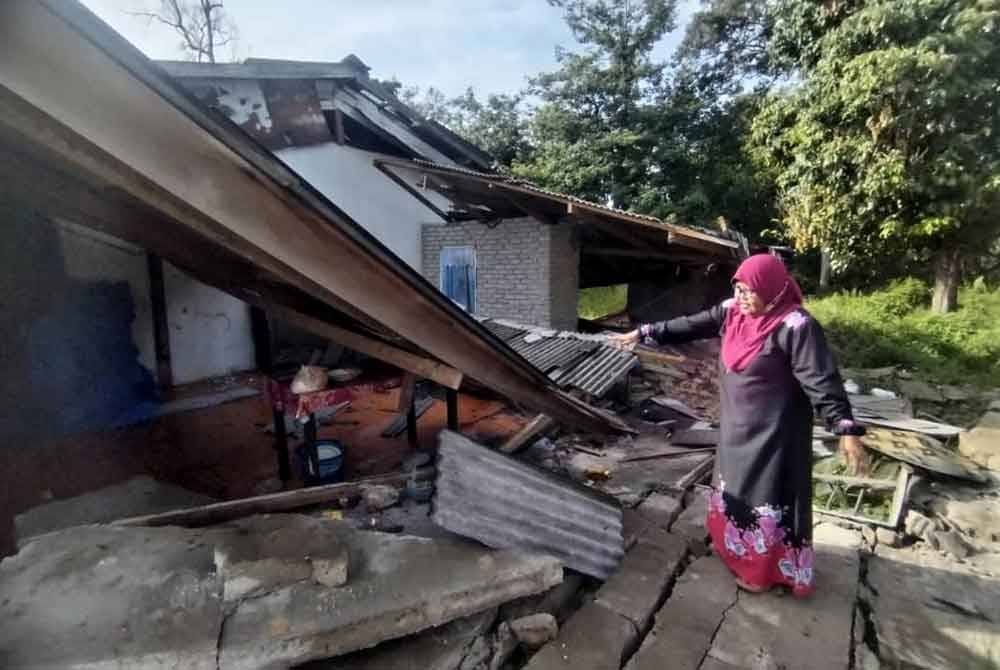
498 126
202 25
592 134
726 44
889 150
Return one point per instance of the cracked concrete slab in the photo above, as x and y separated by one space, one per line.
929 612
770 631
99 597
687 623
639 585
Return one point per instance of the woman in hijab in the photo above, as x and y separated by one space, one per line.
775 368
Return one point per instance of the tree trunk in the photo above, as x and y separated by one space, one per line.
947 277
824 271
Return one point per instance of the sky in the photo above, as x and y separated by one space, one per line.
490 45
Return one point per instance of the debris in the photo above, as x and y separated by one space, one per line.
268 553
883 393
502 502
695 437
677 406
697 475
852 386
309 379
878 499
594 637
919 525
398 425
982 443
504 646
934 429
379 496
667 453
951 542
922 451
886 537
660 509
535 630
344 375
274 502
523 437
919 390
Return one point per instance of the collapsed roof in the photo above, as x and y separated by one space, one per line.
92 130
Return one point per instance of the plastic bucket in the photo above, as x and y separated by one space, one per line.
329 465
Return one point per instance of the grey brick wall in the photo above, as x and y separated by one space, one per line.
525 270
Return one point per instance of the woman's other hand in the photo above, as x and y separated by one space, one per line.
625 340
855 454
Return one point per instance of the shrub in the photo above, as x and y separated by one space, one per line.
894 327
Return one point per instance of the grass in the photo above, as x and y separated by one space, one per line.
895 326
600 301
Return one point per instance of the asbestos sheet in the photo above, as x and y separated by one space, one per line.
923 452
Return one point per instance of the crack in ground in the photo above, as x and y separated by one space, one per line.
218 641
722 620
864 608
682 566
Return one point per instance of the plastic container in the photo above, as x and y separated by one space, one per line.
329 465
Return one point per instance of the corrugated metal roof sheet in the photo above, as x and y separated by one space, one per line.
519 184
502 502
569 359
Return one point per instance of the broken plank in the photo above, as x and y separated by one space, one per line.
406 391
647 355
398 424
676 452
519 440
696 475
696 437
270 503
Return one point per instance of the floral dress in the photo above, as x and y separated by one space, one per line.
760 514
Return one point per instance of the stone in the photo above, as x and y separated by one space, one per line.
111 597
982 443
535 630
441 648
504 646
919 390
594 637
957 393
837 539
929 612
951 542
773 631
636 590
269 552
379 497
477 654
135 497
919 525
686 624
886 537
661 509
975 515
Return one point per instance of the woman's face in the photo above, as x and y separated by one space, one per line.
748 301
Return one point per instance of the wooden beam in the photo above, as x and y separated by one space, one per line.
696 475
521 438
406 391
529 209
284 501
425 368
338 127
451 397
406 186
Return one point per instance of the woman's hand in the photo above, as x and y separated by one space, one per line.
625 340
855 455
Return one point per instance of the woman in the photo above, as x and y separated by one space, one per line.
774 361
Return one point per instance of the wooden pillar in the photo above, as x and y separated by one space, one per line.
161 330
452 398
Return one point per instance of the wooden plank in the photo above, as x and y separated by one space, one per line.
402 420
426 368
406 390
647 355
451 397
703 437
270 503
675 452
696 475
520 440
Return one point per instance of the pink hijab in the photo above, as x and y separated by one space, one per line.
745 335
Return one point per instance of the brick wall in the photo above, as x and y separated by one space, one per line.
526 271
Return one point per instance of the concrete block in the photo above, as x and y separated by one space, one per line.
535 630
661 509
691 523
269 552
594 637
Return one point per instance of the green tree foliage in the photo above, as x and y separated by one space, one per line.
890 147
727 44
497 125
593 131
